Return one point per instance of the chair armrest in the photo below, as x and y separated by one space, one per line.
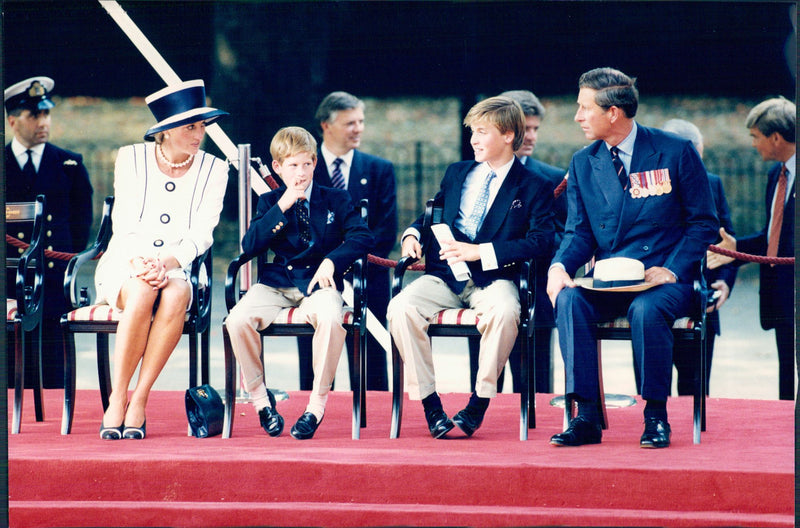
399 273
232 292
74 296
201 294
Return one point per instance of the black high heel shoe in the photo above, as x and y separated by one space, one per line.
134 433
111 433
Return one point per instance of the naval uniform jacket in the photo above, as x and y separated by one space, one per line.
518 224
337 232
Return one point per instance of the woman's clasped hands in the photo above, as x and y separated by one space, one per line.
151 270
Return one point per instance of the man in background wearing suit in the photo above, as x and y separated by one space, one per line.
635 192
499 213
721 280
342 166
33 167
772 128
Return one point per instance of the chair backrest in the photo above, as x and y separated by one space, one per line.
73 290
29 267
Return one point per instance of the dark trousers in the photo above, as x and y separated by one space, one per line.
784 339
650 313
543 363
377 301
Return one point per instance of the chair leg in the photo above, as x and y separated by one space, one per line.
192 359
19 376
356 382
531 377
103 369
698 404
230 382
36 355
205 358
363 367
524 393
601 397
69 382
397 392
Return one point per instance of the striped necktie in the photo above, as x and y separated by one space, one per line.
337 178
619 167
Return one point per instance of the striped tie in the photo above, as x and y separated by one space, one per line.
619 167
777 215
337 178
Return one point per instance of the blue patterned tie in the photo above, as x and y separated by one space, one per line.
303 222
337 178
475 219
619 167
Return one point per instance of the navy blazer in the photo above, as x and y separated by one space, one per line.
776 294
518 224
373 178
672 230
337 232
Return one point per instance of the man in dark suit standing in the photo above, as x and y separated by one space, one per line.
721 280
342 166
499 213
33 167
635 192
772 128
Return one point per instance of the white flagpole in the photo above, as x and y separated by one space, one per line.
214 131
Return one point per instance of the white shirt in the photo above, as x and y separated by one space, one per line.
347 162
21 153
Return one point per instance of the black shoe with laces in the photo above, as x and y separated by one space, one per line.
580 432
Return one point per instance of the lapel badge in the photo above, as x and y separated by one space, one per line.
516 204
331 217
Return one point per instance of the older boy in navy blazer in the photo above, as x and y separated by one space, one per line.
640 193
498 213
316 234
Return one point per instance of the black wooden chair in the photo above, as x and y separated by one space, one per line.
462 322
102 320
24 305
691 328
354 320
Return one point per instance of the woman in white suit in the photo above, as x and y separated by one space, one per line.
169 196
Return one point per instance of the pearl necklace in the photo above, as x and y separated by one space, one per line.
163 158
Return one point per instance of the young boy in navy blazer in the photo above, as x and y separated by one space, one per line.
316 234
499 213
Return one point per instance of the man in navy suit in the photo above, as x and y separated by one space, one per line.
33 167
685 354
499 213
341 165
316 234
772 128
647 199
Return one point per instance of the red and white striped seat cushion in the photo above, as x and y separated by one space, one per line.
290 316
455 316
95 313
684 323
11 310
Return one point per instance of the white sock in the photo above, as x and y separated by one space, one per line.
258 397
316 405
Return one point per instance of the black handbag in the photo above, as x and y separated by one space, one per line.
204 410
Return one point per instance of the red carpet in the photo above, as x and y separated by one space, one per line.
741 475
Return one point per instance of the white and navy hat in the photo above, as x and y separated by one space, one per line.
178 105
616 274
30 94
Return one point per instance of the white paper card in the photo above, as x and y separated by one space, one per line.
443 236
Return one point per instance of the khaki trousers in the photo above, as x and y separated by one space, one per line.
259 308
409 315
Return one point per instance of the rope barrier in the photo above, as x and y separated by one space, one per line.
388 263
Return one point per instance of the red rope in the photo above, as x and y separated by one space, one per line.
388 263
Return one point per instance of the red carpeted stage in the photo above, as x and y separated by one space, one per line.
741 475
